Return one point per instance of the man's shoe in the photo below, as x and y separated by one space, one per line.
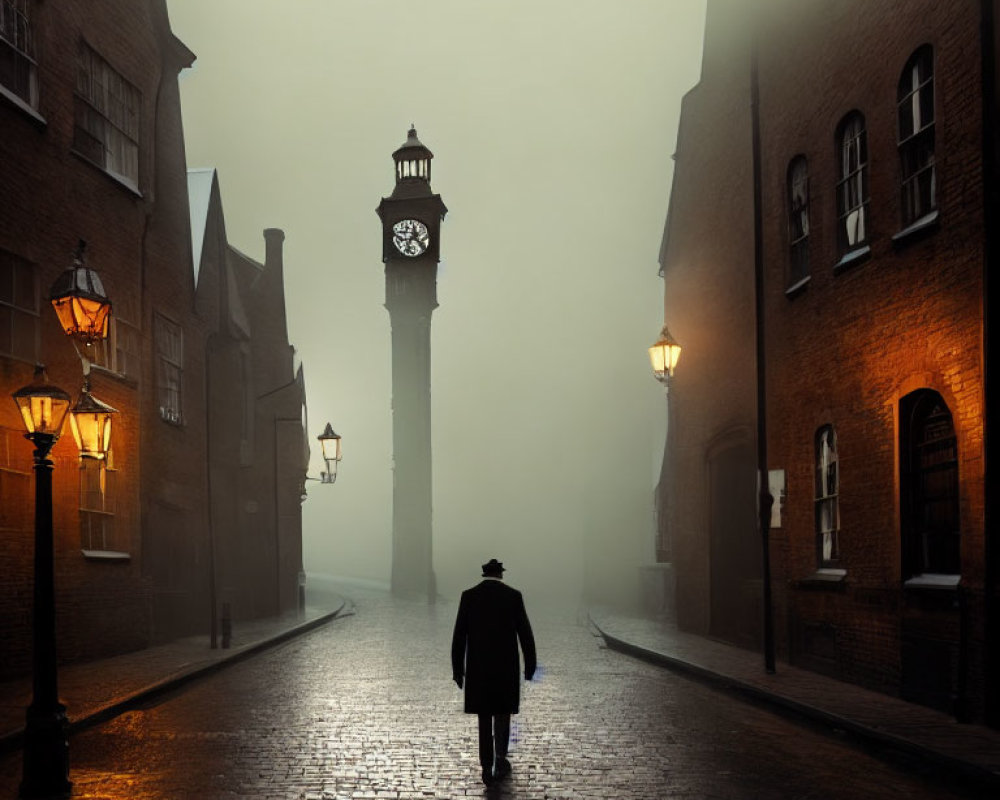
503 769
488 777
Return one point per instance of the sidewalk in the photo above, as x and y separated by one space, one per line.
972 751
99 690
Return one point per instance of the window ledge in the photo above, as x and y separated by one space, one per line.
933 580
106 555
926 224
849 259
23 107
125 183
798 287
128 380
824 577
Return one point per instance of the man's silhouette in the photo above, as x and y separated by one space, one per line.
491 620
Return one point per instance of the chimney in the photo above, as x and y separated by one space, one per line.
273 254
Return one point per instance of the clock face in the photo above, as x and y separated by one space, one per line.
410 237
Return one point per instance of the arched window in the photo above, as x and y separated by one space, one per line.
827 502
915 111
852 188
929 486
798 220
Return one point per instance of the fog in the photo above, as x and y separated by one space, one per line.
552 123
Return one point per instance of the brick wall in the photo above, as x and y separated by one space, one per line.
51 197
846 348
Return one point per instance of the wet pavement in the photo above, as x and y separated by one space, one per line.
364 707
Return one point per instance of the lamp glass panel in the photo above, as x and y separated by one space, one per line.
673 354
331 449
658 358
42 414
83 317
92 431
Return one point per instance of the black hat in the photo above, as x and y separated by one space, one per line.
493 568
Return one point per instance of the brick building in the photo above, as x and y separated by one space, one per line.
874 143
92 147
258 452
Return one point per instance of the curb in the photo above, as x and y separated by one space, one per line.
975 773
14 739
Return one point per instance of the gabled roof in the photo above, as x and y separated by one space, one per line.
199 196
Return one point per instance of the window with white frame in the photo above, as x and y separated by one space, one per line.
106 117
98 496
120 352
18 71
852 188
798 220
169 369
827 501
915 111
18 308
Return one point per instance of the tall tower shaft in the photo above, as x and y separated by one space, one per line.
411 221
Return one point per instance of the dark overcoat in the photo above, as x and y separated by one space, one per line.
491 619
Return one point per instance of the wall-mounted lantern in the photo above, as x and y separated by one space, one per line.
663 355
91 423
80 302
330 444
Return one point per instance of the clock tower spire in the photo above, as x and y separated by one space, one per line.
411 223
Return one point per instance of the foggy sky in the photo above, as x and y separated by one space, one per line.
552 123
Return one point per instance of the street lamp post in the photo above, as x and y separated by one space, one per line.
84 313
663 356
43 408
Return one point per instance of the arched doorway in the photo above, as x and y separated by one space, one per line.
930 550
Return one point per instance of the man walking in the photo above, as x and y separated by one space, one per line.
484 656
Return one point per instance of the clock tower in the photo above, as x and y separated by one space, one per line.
411 223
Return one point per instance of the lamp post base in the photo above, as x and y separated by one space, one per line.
46 754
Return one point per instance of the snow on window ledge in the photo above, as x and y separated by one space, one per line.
932 580
925 224
852 257
106 555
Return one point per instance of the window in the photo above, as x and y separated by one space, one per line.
916 137
18 307
798 221
106 117
98 533
169 369
16 499
929 485
17 51
827 497
120 352
852 188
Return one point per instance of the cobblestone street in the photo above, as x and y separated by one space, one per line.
365 708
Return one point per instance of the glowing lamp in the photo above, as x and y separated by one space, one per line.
330 444
91 423
80 302
663 355
43 408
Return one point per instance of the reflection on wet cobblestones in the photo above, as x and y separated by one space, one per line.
365 708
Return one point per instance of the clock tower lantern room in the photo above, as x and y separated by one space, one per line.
411 216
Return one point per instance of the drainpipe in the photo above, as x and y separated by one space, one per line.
765 501
991 260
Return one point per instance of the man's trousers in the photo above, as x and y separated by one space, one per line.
494 736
